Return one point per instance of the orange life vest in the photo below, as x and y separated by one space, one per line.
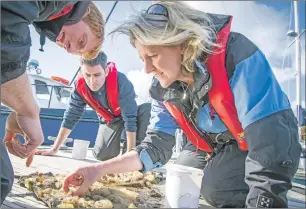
112 94
221 98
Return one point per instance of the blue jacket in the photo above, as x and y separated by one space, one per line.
256 92
256 96
263 109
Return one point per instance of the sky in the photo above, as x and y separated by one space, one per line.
264 22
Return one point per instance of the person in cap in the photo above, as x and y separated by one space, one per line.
77 26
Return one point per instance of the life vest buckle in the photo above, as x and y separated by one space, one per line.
223 138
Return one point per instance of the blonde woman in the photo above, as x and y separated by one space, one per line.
77 26
218 87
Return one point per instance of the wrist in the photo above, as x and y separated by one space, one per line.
100 169
57 144
55 148
129 148
131 143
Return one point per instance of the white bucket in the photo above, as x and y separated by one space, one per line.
79 150
183 186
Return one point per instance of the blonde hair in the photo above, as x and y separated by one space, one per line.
184 25
96 23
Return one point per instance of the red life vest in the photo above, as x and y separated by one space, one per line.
111 82
62 13
221 99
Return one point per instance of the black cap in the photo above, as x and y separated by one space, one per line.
78 11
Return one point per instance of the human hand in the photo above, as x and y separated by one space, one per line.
14 146
83 178
10 139
49 152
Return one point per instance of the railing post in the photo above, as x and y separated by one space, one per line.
50 97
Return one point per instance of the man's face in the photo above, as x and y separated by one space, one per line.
77 38
94 76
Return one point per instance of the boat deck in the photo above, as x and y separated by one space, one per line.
63 163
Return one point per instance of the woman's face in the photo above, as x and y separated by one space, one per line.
163 62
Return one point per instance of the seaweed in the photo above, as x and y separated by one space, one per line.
126 190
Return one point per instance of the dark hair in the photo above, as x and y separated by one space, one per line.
101 59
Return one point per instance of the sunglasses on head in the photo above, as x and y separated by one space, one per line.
157 9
